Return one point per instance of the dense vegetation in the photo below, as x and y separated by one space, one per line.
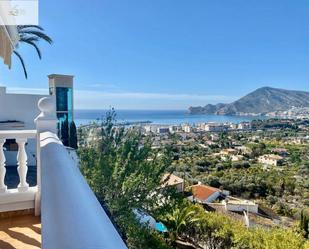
125 173
285 188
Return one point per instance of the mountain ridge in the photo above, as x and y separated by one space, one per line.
261 101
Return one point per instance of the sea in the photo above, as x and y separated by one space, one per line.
164 117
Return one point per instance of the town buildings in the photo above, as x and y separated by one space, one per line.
211 127
215 127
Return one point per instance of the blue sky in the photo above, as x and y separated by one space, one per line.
168 54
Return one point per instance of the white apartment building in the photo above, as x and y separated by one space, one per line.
174 128
187 128
244 126
163 130
214 127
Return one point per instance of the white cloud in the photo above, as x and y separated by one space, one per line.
142 100
141 95
91 99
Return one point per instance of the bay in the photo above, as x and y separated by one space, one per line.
164 117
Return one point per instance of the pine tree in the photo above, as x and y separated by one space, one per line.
119 171
304 222
73 136
65 132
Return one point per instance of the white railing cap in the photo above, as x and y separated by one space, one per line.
47 119
13 134
47 106
72 217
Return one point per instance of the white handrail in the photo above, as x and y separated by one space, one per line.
15 134
72 217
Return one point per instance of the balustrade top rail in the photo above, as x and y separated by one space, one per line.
72 217
14 134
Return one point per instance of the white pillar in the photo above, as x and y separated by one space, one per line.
3 187
46 121
22 164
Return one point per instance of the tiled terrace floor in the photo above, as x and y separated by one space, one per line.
20 232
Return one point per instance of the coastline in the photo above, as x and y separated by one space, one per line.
163 117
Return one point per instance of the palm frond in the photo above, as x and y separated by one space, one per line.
39 34
20 27
22 63
31 34
24 38
35 46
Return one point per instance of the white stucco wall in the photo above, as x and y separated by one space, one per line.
24 108
180 187
242 207
21 107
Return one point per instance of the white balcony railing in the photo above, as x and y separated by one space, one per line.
78 220
71 216
22 197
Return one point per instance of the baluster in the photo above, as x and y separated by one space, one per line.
3 187
22 164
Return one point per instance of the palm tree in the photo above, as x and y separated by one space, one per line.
179 220
31 34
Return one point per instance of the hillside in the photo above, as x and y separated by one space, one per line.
260 101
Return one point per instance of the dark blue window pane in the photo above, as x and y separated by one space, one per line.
62 98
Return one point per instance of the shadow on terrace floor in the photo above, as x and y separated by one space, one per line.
20 232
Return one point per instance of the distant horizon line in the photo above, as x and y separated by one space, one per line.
107 109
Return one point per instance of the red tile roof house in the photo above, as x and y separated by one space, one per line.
206 194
